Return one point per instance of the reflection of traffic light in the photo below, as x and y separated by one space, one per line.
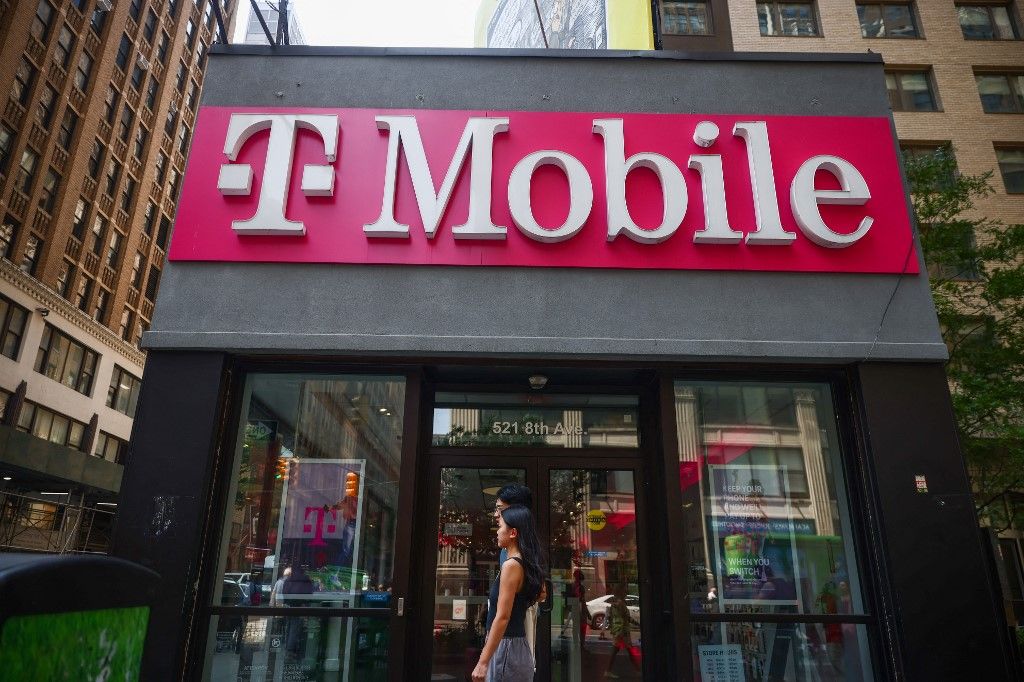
281 468
352 485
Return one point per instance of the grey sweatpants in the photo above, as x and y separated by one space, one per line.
512 662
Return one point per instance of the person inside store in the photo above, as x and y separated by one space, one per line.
506 656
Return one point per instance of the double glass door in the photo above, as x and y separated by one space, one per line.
589 518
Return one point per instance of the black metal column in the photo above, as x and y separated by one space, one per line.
165 499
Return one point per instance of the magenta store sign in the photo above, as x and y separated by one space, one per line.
544 189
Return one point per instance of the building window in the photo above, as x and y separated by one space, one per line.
110 104
98 21
910 91
135 9
141 328
99 231
161 167
787 19
96 159
190 34
124 51
161 49
114 249
958 261
124 129
49 425
1001 93
47 103
151 91
138 267
172 7
919 150
153 283
6 146
111 448
172 120
113 175
84 293
1011 167
24 77
41 21
67 129
172 183
26 170
150 219
127 322
128 194
13 318
99 313
685 18
141 136
8 234
65 359
123 393
83 71
149 29
31 255
179 80
65 46
208 13
163 233
81 216
48 191
64 279
183 138
887 20
138 77
190 99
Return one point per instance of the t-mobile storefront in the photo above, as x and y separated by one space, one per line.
678 297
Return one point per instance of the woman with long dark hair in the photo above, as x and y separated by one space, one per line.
506 656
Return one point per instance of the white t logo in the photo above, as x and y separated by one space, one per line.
236 178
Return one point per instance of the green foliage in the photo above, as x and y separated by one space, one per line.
976 267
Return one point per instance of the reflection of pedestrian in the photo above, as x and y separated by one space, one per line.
621 627
275 593
298 583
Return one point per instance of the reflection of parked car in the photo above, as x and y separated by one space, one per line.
600 607
230 628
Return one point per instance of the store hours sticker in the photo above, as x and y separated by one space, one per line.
721 663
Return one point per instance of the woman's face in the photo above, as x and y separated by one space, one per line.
505 534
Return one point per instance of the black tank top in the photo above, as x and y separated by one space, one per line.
517 621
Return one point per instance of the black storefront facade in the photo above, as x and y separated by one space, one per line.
739 474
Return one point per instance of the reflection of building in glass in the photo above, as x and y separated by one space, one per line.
569 24
254 34
754 460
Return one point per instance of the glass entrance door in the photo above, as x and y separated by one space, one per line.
588 520
595 624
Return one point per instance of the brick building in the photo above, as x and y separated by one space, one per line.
93 136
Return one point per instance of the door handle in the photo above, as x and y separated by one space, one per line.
400 609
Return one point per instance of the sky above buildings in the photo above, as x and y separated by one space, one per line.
395 23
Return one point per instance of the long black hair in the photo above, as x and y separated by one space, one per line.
519 517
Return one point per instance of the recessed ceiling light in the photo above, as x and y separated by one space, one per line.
7 478
383 410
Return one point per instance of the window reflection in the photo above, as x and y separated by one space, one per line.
767 524
315 492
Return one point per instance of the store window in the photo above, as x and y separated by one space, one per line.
64 359
767 532
1001 93
686 18
987 22
787 19
887 20
311 522
910 90
1011 167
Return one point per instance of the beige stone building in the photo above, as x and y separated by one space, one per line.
102 98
